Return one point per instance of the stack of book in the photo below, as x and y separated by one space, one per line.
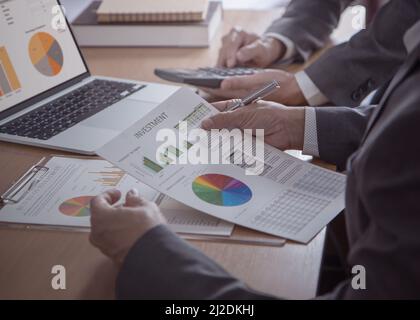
148 23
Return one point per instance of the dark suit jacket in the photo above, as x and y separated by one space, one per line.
347 73
382 207
309 24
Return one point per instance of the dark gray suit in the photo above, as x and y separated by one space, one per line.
347 73
309 24
382 207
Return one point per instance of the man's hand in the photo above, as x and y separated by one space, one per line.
283 126
241 86
241 48
115 228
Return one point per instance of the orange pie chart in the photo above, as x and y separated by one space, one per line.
46 54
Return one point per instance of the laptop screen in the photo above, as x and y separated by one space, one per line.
37 50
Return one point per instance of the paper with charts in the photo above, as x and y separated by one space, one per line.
61 198
291 198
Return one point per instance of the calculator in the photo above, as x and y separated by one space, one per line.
203 77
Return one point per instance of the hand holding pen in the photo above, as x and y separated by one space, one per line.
283 126
255 96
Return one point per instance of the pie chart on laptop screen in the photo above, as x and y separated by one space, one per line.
221 190
46 54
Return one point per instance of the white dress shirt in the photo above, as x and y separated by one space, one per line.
310 141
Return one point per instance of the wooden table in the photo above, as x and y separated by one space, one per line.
27 256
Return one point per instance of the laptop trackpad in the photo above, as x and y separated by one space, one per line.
121 115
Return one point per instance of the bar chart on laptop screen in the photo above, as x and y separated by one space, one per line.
9 81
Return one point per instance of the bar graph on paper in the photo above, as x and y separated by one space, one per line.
110 176
195 117
9 81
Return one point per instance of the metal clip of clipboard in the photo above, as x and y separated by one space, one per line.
25 184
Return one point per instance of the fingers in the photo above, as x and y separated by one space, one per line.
227 91
254 81
224 120
223 105
225 94
133 199
251 53
105 201
232 46
245 82
221 60
231 43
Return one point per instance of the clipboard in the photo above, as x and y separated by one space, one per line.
25 184
36 173
19 189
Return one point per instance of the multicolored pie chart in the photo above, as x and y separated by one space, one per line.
221 190
46 54
76 207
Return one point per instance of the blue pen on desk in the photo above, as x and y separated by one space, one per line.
256 96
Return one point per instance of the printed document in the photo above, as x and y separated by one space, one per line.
61 198
291 198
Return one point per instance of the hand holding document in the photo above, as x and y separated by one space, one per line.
290 198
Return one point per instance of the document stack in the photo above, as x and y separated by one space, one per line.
148 23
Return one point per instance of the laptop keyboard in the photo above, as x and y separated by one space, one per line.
60 114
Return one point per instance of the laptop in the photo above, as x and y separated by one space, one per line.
48 98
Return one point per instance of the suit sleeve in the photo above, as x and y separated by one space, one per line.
309 23
163 266
388 248
347 73
340 131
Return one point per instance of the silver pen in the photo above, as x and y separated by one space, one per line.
256 96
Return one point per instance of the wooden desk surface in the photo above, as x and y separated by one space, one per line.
27 256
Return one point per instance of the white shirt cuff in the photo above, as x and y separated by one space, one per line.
310 142
290 46
310 91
